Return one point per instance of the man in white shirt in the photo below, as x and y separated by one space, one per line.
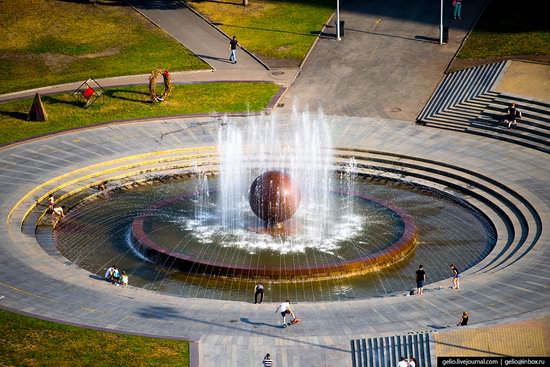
284 309
402 362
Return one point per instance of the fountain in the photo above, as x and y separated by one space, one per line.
281 208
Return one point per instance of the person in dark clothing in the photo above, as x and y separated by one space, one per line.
464 320
259 291
267 362
233 47
420 279
511 115
456 276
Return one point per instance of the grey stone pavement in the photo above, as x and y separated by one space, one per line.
375 69
387 64
282 77
238 333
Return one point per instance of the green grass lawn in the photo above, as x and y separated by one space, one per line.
46 42
510 28
273 30
131 102
26 341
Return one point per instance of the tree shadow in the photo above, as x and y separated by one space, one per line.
157 4
55 100
310 34
15 115
256 324
159 313
96 2
120 94
219 2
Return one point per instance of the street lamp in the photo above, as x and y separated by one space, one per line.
441 24
338 20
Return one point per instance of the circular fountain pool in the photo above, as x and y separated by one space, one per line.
183 218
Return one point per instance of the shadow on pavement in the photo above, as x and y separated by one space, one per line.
255 324
159 313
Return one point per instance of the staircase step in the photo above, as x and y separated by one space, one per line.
515 139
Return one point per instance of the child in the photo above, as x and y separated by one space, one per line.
124 278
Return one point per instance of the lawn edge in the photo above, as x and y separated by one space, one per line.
97 328
266 111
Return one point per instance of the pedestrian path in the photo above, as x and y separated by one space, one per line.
238 333
282 77
195 33
388 62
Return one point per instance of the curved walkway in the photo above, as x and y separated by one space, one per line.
237 333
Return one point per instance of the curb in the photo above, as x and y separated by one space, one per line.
137 120
267 110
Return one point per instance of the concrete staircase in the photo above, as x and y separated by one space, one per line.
387 351
465 101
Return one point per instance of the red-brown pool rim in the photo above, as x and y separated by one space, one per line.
393 253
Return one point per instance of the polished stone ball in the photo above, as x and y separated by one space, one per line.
273 197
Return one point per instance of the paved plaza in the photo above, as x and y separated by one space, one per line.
370 111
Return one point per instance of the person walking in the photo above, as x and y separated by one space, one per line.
259 291
458 8
284 309
233 47
456 276
267 362
464 320
420 279
402 362
512 114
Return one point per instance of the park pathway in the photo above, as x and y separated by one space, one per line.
388 63
199 36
